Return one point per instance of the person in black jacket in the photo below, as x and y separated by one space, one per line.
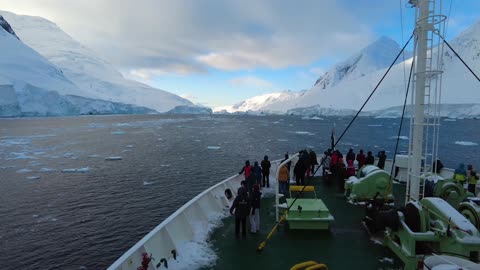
255 197
241 206
266 171
369 160
381 159
350 155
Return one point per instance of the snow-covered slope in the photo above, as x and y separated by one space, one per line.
30 85
265 103
348 89
375 56
94 77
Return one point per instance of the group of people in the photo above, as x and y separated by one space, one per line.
247 202
334 166
468 176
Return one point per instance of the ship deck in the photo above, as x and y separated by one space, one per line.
346 245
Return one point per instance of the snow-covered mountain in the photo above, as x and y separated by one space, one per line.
30 85
375 56
93 77
347 85
264 103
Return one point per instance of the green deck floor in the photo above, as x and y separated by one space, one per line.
345 246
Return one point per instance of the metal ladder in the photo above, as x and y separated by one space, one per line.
431 99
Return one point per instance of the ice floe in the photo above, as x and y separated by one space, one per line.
94 156
304 133
24 171
282 140
466 143
19 155
130 146
75 170
146 183
113 158
33 177
213 147
118 132
375 125
47 170
400 137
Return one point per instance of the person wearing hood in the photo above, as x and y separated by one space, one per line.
240 208
266 171
257 170
255 209
460 174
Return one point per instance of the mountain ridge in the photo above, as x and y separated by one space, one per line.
348 93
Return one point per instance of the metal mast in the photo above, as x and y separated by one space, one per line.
424 121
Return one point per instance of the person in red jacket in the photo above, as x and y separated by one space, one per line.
361 159
246 170
350 168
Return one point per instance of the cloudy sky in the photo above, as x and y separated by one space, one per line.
219 52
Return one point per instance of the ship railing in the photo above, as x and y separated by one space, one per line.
188 224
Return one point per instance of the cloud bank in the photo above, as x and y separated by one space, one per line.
152 37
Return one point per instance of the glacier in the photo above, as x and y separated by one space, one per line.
30 85
46 58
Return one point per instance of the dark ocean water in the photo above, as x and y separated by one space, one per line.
63 206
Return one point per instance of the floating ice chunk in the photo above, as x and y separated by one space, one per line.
35 163
400 137
213 147
68 154
113 158
79 170
20 155
146 183
118 132
303 133
449 120
126 150
7 167
130 146
33 177
94 156
13 141
374 125
46 170
23 171
466 143
159 139
282 140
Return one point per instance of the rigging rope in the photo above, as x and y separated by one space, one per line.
458 56
262 245
401 119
